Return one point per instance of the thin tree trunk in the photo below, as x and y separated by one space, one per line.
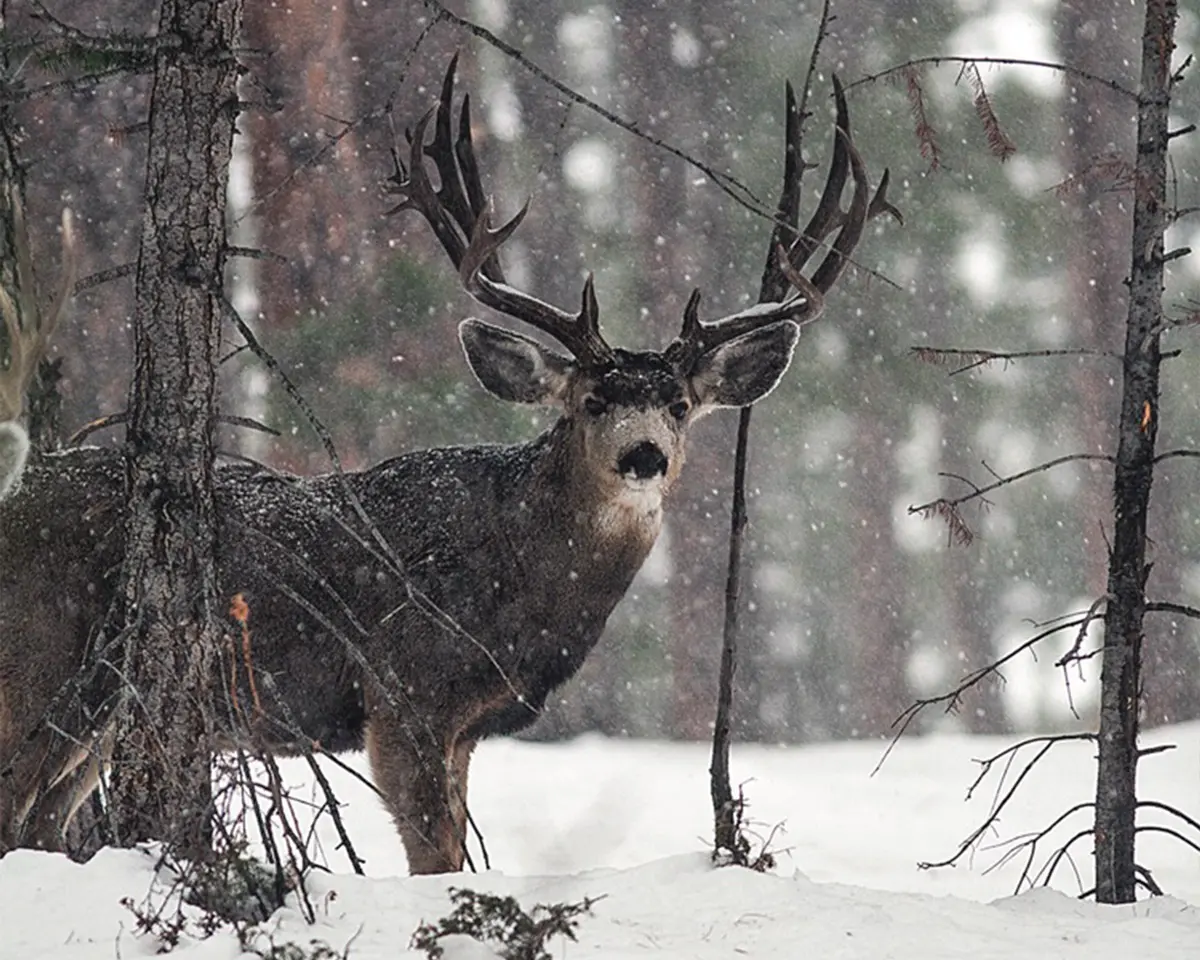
161 785
1116 792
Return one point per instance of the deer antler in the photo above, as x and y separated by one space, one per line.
29 329
27 341
460 216
783 269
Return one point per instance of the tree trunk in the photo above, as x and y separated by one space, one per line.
161 786
1116 794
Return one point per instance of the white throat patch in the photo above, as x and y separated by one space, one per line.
634 509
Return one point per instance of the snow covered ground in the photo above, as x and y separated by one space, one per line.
629 821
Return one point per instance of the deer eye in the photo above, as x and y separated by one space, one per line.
679 409
595 406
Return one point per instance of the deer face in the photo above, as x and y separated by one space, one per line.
629 414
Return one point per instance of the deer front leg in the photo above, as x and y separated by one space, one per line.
414 770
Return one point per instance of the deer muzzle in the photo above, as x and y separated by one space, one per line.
643 462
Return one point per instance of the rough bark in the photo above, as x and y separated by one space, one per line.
1116 785
161 785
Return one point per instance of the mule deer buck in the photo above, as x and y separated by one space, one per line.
484 576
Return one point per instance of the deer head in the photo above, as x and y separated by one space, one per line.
628 412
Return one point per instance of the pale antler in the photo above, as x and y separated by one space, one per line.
783 269
29 328
28 336
460 216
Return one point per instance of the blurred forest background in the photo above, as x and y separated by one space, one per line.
854 606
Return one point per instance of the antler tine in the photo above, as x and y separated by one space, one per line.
783 268
418 194
697 336
828 214
460 214
775 283
854 222
780 272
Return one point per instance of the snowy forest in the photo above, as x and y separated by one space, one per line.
966 499
856 602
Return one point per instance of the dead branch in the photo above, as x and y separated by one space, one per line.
947 507
978 358
1110 172
1177 454
937 61
998 808
104 276
1046 874
1170 832
1173 811
730 185
953 698
999 143
1073 654
925 133
1010 751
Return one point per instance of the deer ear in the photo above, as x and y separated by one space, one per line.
513 367
745 369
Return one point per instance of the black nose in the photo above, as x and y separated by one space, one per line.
643 462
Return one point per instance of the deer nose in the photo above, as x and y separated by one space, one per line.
643 462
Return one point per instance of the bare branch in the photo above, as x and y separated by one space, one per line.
104 276
952 698
1092 613
1177 454
726 182
1173 811
979 357
1170 832
994 815
1063 68
1167 607
946 507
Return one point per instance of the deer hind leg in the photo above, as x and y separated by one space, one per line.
49 789
413 771
23 781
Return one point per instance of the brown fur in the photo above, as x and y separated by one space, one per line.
513 558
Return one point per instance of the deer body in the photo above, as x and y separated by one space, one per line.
511 560
418 606
493 536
